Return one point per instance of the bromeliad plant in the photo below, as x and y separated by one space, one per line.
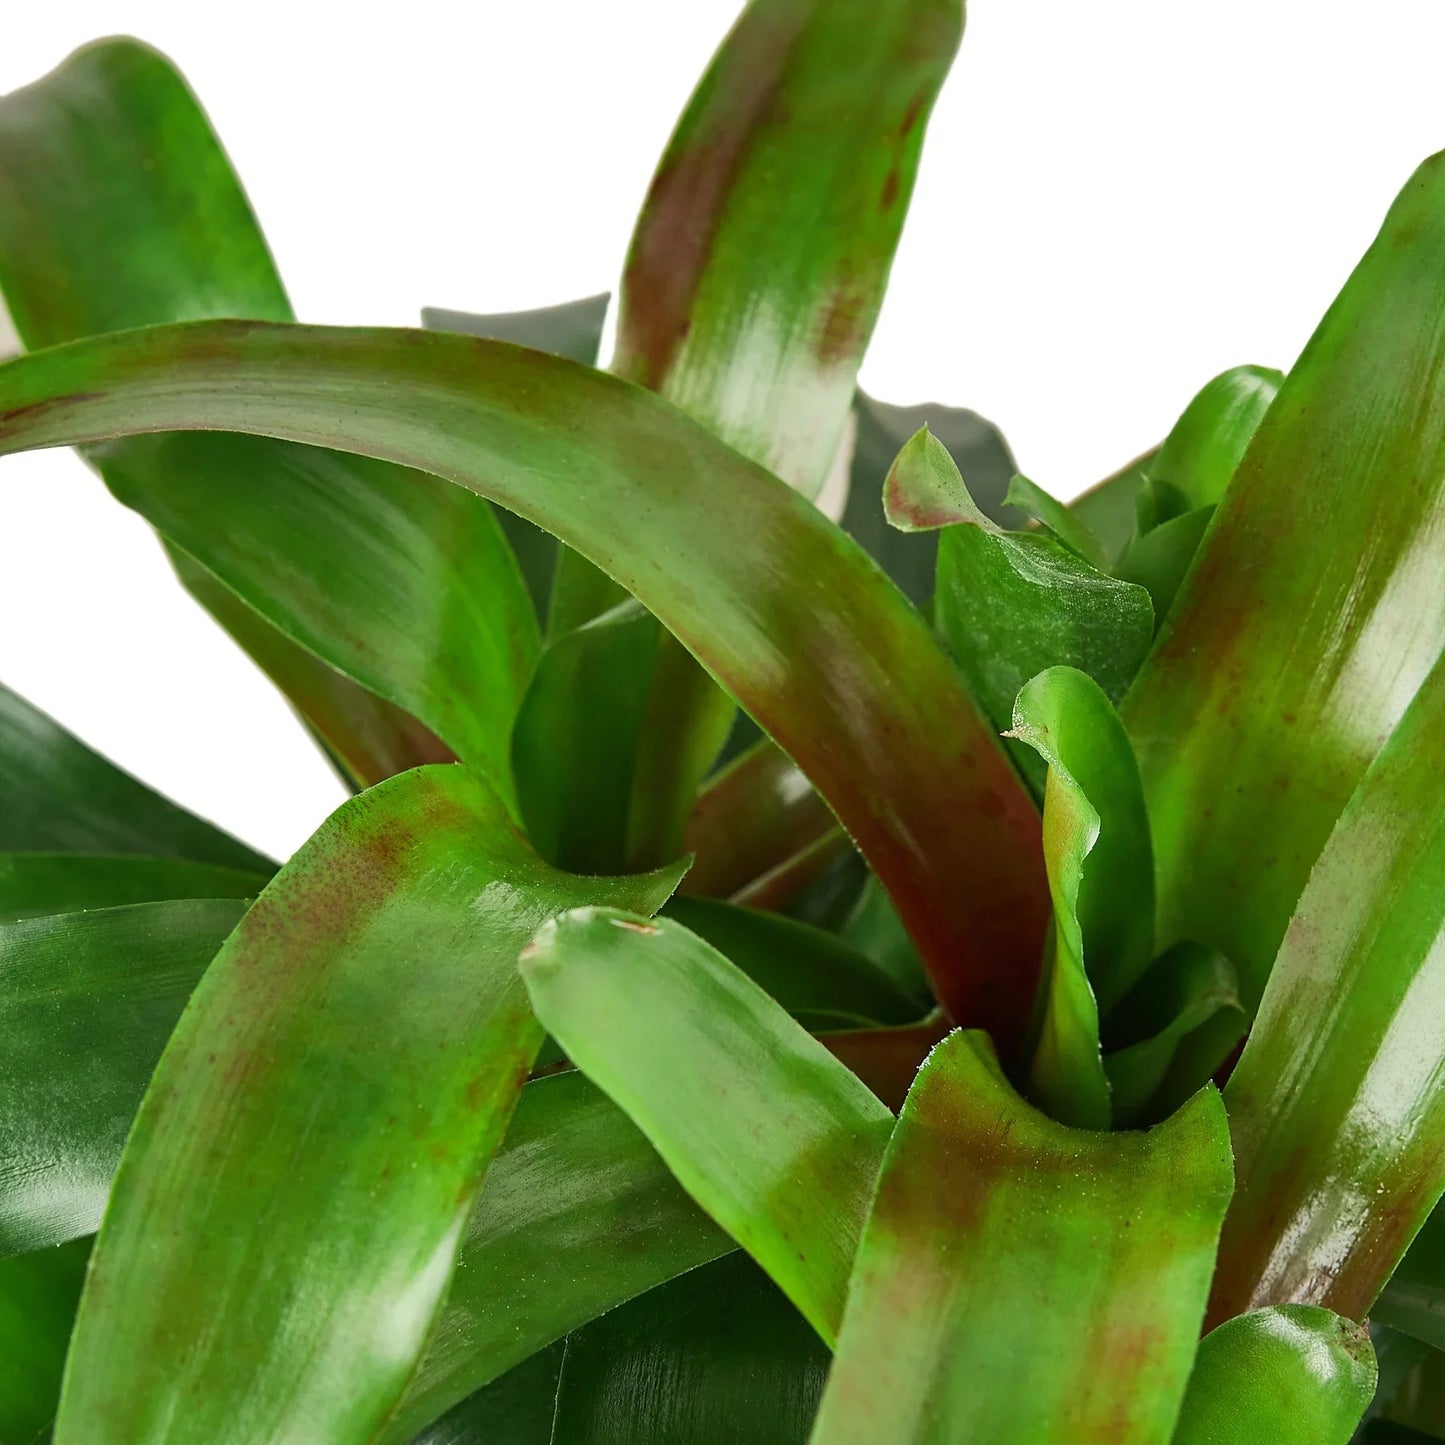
570 1086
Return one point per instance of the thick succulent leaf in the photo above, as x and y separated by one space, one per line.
1101 877
1337 1105
1021 1282
62 797
576 739
758 265
38 1295
718 1357
843 674
391 936
1011 604
1314 610
1414 1299
771 1135
87 1001
573 330
574 1180
753 816
35 884
978 450
816 977
119 209
1291 1375
1183 1018
517 1409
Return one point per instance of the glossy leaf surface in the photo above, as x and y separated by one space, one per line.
718 1357
119 209
759 261
1101 876
574 1180
87 1001
1275 682
38 1295
1337 1105
268 1104
844 676
34 884
672 1030
1011 604
61 797
518 1408
1292 1375
1021 1282
1414 1299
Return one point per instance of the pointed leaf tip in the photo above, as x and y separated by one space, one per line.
924 489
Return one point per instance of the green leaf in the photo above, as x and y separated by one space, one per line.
1414 1299
813 974
573 330
574 1180
390 936
1024 1283
718 1357
517 1409
1109 509
1101 876
35 884
1055 516
1160 559
753 816
87 1001
119 209
38 1295
771 1135
1011 604
1291 1375
1184 1018
62 797
1337 1105
866 692
978 450
875 930
1312 613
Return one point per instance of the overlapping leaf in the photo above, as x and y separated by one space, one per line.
392 935
843 674
1021 1282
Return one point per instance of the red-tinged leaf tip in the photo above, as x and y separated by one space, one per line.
924 489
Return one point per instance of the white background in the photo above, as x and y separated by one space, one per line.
1117 200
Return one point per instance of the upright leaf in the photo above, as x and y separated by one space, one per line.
35 884
1101 876
1337 1105
1021 1282
1292 1375
119 209
62 797
391 936
1314 610
519 1408
718 1357
843 674
1414 1299
672 1031
1011 604
87 1001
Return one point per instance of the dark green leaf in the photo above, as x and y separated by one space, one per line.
119 209
770 1134
38 1295
391 936
1313 611
1109 509
1414 1299
87 1001
573 1181
35 884
1011 604
1160 559
718 1357
62 797
817 977
1337 1106
865 694
1291 1375
1101 876
1023 1283
518 1409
